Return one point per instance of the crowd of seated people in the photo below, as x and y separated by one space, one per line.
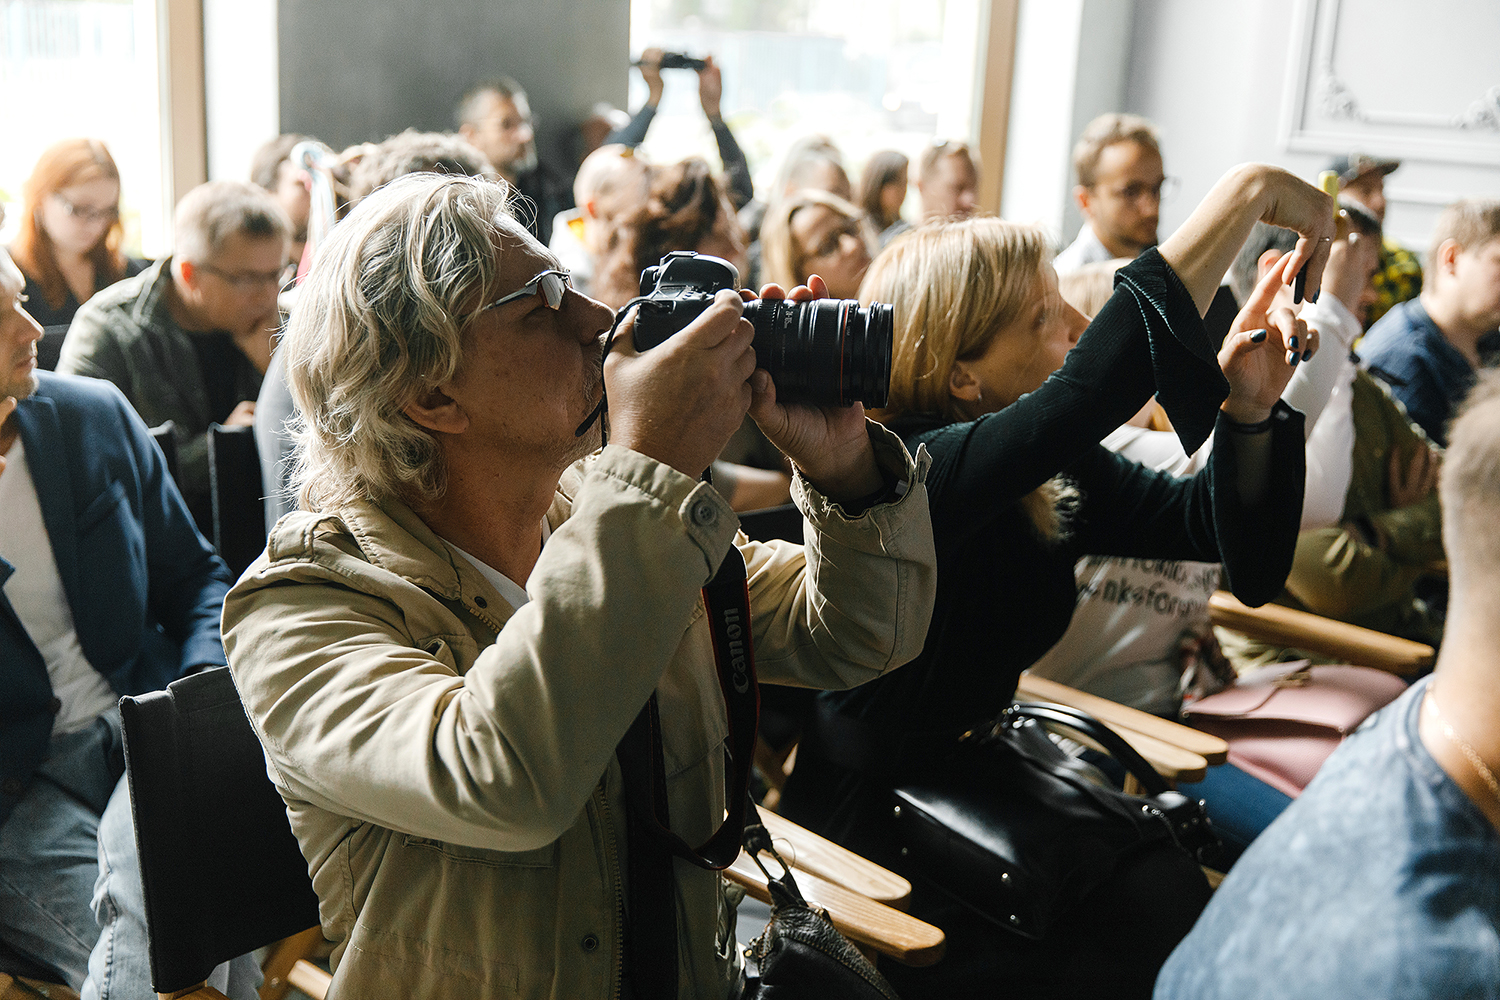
490 521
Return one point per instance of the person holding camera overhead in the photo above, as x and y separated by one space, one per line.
1011 390
442 651
710 92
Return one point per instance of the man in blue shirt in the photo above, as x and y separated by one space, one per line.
1383 879
1427 348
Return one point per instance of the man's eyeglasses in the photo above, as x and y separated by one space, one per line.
1159 192
551 285
246 281
87 213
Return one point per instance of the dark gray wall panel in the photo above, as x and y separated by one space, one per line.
358 70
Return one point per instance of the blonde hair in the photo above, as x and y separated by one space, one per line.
1471 223
1469 485
782 257
378 322
954 286
1089 287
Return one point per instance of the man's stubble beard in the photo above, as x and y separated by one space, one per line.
591 440
26 385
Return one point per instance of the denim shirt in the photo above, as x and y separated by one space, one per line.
1382 880
1425 372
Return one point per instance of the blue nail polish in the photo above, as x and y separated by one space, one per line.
1292 342
1307 354
1313 298
1258 337
1293 357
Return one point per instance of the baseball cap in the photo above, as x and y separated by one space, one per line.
1356 165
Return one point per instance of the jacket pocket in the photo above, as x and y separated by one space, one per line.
101 507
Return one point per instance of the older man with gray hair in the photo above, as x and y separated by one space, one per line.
442 651
189 338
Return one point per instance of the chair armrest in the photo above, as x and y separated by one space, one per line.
863 921
1139 729
310 979
807 852
203 992
1283 626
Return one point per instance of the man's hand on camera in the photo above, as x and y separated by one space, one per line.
830 444
680 402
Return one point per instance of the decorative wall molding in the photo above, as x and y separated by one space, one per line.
1325 113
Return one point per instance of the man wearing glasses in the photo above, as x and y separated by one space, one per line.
442 650
189 339
1120 190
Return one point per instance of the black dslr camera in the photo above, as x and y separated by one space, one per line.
828 352
678 60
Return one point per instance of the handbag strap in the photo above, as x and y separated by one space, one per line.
1082 722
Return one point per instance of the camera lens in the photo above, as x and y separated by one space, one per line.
828 352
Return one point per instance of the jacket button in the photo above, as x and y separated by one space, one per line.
705 514
481 602
54 706
590 943
12 787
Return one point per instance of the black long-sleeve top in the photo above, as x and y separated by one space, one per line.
1006 595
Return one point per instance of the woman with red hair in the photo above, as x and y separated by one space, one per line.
68 245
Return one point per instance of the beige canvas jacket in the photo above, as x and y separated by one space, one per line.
448 763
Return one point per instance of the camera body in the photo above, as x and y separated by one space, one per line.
678 60
676 291
828 352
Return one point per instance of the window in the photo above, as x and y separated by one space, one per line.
84 68
871 74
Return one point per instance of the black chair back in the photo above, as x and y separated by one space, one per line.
239 516
49 348
769 523
221 871
165 436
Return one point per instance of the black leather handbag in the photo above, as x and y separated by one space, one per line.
1020 831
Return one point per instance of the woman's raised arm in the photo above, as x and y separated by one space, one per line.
1204 247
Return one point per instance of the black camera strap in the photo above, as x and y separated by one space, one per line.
602 407
651 937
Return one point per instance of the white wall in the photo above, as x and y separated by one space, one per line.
1222 81
240 87
1231 82
1071 63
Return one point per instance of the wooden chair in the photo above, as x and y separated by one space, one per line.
23 979
1177 752
239 518
1283 626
